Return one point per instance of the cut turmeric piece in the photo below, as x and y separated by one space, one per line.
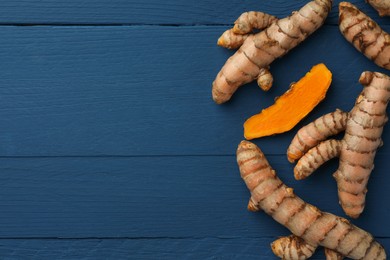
292 106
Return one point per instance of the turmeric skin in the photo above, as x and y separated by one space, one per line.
295 248
382 6
292 248
365 34
292 106
332 255
315 132
258 51
363 129
314 158
314 227
243 26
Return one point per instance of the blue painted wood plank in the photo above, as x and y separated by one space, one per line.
146 90
163 248
152 197
150 12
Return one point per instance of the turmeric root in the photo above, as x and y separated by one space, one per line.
365 34
332 255
314 158
295 248
363 130
314 227
260 50
245 24
382 6
315 132
292 248
292 106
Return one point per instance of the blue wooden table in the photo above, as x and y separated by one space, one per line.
112 148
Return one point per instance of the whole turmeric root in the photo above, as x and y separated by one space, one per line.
363 129
365 34
382 6
260 50
310 226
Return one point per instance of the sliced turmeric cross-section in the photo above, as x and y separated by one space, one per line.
292 106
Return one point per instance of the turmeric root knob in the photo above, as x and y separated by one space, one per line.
292 247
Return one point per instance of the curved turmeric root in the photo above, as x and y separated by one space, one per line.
382 6
314 227
260 50
295 248
292 106
363 130
316 157
315 132
365 34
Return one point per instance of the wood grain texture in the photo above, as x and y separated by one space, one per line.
170 12
89 91
112 148
188 196
163 248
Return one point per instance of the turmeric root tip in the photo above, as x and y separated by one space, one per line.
292 247
365 34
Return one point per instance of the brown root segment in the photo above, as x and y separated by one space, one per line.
291 107
316 157
312 134
362 139
292 248
230 40
313 226
363 130
245 24
265 79
365 34
259 50
382 6
249 21
332 255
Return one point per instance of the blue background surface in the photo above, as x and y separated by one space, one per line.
112 148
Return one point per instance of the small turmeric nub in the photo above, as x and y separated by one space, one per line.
292 106
243 26
231 40
292 247
332 255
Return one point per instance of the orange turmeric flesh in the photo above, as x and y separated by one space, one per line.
292 106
